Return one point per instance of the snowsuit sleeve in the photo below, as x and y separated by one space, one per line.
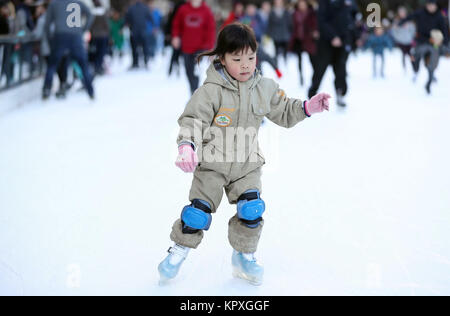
284 111
197 117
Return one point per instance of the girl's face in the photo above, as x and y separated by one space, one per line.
241 66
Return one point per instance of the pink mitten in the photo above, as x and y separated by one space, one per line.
187 158
317 104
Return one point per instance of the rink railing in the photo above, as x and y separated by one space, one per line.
20 60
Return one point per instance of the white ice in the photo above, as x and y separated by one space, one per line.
358 200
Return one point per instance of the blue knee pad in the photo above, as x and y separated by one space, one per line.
250 208
196 216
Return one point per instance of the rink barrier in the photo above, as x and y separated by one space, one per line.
20 60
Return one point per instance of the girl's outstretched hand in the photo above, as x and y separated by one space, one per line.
317 104
187 158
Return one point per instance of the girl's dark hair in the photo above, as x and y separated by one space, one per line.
233 38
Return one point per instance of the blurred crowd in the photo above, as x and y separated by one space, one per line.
326 31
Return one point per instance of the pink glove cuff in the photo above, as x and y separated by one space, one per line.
306 109
183 146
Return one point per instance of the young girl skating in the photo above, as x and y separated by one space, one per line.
218 142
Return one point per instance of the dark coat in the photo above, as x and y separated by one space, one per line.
137 17
303 27
4 26
279 27
337 18
426 22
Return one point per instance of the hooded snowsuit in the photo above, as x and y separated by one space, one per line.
221 121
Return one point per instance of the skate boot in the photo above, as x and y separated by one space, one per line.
61 93
341 100
428 88
245 266
46 94
169 267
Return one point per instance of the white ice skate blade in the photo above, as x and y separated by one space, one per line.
241 275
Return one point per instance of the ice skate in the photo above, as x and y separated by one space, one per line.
61 93
46 94
341 100
246 267
169 267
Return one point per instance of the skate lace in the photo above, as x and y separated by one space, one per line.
179 250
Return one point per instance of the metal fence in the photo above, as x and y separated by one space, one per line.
20 60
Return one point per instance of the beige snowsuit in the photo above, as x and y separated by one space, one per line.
222 120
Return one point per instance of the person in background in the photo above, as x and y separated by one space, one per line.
116 24
100 36
153 28
305 33
337 23
236 14
378 42
403 35
176 52
6 28
427 20
137 17
24 22
5 19
194 31
264 13
279 28
45 49
252 19
67 39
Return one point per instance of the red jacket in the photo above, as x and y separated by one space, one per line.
231 19
196 28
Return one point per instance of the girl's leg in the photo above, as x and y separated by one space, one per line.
207 188
242 236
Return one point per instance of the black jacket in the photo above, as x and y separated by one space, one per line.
337 18
426 22
4 26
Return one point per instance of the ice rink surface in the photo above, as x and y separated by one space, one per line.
358 200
